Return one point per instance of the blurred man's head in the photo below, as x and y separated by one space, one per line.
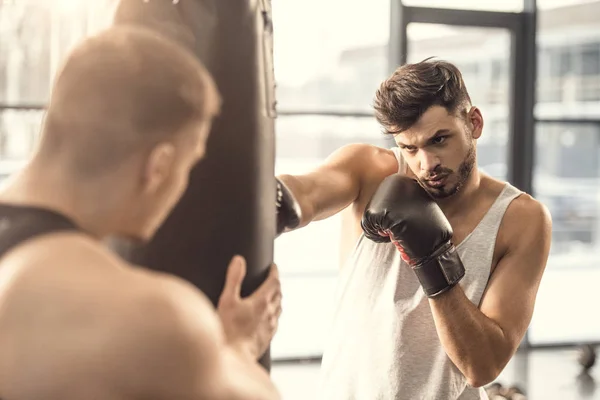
165 16
130 110
427 108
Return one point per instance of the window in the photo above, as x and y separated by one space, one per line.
555 65
590 60
567 181
567 168
558 4
25 47
589 73
506 5
329 54
561 62
18 132
35 37
568 84
306 139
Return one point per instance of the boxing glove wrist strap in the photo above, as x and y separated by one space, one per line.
441 271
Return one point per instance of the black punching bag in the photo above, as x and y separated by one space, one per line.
229 207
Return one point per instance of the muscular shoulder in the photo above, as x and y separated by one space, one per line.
526 224
525 213
169 336
151 330
370 164
367 158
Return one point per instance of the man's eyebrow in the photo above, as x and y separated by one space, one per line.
438 133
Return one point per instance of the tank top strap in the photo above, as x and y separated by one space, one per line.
494 216
21 223
402 166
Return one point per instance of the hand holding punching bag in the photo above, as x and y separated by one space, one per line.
229 207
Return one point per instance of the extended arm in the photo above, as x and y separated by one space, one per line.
337 182
481 341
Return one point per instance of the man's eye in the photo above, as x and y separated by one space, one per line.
439 139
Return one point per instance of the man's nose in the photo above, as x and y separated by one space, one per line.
428 161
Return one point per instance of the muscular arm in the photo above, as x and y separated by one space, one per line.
339 181
480 342
183 353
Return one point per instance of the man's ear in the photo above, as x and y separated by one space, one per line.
159 165
475 122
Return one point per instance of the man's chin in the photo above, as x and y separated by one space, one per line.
440 192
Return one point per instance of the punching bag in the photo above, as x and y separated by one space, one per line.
229 207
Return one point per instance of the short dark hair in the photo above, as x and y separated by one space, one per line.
412 89
123 90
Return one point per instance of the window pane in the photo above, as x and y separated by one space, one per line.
590 60
568 83
567 181
506 5
18 133
303 141
482 55
329 53
34 37
309 258
564 4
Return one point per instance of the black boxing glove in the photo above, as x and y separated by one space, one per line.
402 212
288 209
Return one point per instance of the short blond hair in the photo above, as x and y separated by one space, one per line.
125 88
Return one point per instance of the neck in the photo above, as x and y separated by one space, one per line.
51 187
461 201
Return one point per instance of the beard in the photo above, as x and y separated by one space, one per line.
462 175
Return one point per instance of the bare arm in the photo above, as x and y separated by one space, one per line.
184 354
480 342
338 182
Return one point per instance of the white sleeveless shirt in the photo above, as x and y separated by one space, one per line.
383 344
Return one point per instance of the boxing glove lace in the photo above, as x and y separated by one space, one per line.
402 212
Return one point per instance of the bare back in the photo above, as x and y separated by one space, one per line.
76 322
64 298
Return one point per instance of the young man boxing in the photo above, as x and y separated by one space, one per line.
441 284
129 117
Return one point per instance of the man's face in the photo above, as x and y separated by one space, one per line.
440 149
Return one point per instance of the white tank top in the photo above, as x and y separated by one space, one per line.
383 344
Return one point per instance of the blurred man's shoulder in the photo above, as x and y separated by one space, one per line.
74 267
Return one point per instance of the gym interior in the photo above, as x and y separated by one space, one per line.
532 66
